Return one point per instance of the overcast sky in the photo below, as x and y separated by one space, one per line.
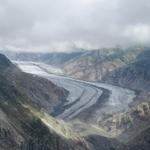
58 25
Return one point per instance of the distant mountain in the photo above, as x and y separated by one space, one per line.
55 58
93 65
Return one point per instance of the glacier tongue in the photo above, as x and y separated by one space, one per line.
82 94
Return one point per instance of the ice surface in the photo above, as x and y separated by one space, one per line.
82 94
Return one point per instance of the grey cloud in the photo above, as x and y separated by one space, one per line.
61 25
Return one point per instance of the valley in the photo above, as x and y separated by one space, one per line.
110 111
83 94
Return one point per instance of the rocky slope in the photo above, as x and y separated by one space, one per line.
93 65
135 75
41 92
23 125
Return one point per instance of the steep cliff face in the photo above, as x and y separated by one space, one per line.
23 125
94 65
